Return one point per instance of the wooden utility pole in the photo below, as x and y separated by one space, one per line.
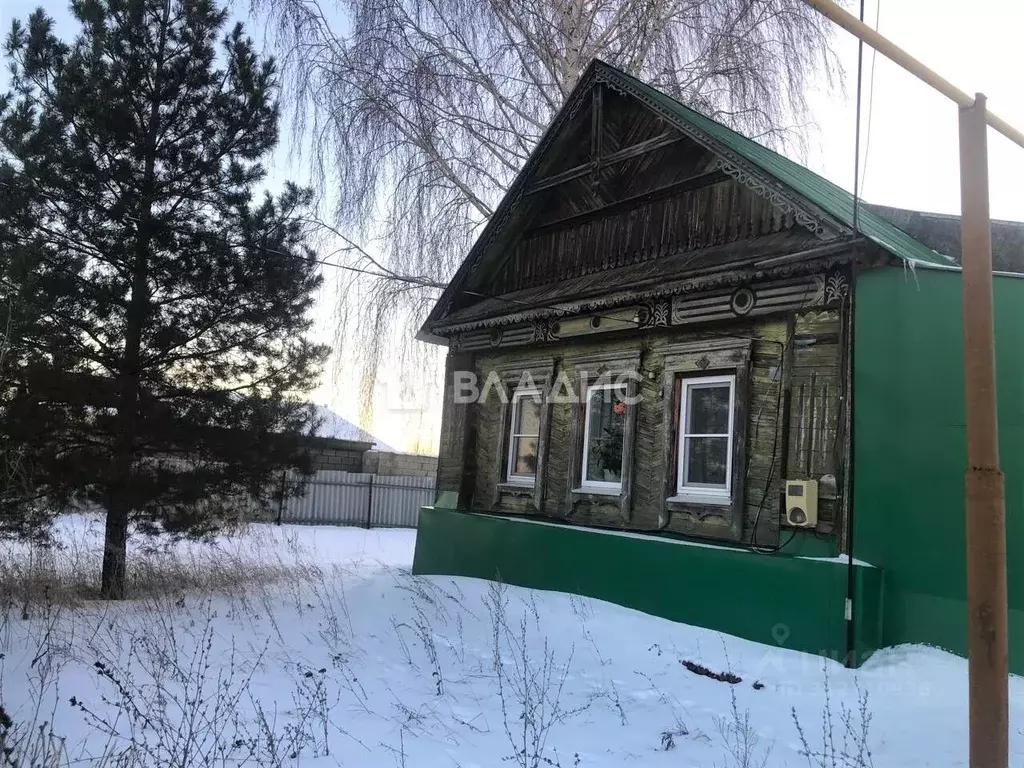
986 510
988 668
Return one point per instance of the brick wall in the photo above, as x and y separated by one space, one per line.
337 458
408 464
348 456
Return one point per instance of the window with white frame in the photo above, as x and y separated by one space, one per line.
704 472
524 436
604 429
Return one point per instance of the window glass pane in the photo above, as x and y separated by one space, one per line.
708 406
524 456
606 420
527 416
706 460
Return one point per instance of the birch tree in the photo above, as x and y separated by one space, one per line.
418 113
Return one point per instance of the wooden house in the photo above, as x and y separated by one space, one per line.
667 329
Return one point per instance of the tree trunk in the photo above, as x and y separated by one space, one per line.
121 497
119 504
120 494
115 550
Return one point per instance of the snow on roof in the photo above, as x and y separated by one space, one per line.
339 428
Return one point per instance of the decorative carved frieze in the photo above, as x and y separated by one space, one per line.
689 308
737 166
759 186
837 287
742 301
544 331
776 296
654 314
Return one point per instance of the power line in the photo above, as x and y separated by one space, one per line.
422 282
417 281
856 141
426 283
871 96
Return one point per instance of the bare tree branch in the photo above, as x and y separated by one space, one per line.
418 113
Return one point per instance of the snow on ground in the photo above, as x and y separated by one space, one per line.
351 660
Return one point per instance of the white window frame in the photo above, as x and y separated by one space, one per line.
597 486
510 475
703 493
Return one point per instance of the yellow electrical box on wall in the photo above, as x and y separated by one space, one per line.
802 503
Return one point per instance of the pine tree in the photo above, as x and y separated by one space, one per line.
163 308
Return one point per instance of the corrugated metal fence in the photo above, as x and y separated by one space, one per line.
358 498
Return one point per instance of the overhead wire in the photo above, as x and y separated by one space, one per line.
382 272
871 97
851 590
856 141
422 282
427 283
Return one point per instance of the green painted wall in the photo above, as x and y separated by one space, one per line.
808 544
910 449
778 600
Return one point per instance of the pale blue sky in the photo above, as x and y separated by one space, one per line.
912 159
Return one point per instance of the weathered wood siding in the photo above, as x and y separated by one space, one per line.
689 220
455 456
671 198
815 445
802 352
630 246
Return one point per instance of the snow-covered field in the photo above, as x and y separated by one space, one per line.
316 646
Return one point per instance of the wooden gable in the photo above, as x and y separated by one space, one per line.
618 194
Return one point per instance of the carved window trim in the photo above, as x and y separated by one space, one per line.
701 359
541 373
695 492
518 396
595 367
599 486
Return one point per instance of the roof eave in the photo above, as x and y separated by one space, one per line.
428 337
511 195
603 72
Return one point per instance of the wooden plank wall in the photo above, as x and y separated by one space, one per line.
455 457
802 352
764 473
815 444
723 213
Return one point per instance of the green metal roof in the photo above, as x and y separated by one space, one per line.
831 198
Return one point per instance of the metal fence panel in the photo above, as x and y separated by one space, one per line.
397 500
354 498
